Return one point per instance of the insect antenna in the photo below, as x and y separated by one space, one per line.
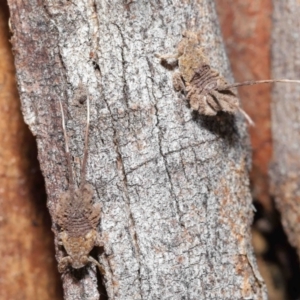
247 117
252 82
68 156
86 141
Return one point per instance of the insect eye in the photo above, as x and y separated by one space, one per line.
205 68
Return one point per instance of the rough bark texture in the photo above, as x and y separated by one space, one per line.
246 28
285 117
28 267
176 207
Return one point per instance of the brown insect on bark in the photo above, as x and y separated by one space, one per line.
206 90
76 214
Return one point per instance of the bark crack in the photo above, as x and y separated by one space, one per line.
172 190
95 41
131 222
141 165
164 155
125 85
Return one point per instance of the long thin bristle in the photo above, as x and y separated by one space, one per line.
71 179
253 82
86 141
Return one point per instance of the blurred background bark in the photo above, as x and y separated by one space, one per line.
247 27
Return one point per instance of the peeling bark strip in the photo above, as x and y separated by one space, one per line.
285 171
173 187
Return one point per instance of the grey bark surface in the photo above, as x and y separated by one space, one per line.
285 171
174 188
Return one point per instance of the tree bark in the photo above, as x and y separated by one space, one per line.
285 169
174 188
26 241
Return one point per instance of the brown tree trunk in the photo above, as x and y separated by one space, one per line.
28 266
285 170
174 189
246 28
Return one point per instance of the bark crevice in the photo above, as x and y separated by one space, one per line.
120 166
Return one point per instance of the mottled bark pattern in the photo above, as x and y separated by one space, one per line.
285 170
173 187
